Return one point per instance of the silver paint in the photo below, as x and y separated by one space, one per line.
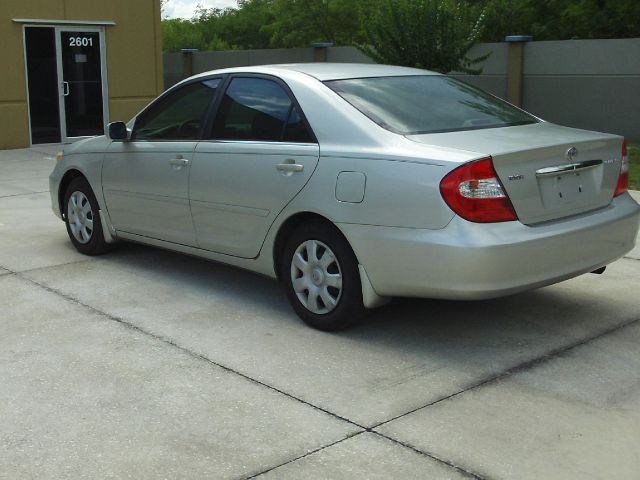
407 241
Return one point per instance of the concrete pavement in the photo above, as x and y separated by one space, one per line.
150 364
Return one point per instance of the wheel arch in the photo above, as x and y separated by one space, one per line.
370 297
290 225
67 178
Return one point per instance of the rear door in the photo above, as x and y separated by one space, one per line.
258 155
146 180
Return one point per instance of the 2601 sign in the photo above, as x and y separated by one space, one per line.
80 41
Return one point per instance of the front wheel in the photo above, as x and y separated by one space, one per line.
82 217
321 275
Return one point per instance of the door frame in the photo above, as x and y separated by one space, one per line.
103 75
58 28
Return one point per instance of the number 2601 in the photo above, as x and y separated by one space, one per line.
81 42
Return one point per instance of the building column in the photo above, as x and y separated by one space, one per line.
515 68
187 61
320 51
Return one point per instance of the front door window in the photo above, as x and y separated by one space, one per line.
179 115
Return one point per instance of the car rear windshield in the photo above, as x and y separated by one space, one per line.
412 105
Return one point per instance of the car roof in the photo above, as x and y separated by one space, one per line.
331 71
338 71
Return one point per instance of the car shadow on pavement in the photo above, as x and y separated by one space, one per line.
509 322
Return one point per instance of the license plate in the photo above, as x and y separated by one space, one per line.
567 188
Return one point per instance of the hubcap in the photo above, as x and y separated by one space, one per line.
80 217
316 276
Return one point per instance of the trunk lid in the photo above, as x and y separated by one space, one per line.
548 171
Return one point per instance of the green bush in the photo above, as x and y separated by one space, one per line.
431 34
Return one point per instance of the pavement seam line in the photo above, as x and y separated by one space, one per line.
529 364
526 365
22 194
319 449
462 470
183 349
200 356
46 267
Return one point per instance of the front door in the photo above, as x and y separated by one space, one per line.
145 181
146 189
66 82
82 86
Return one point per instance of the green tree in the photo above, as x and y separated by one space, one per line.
178 33
506 17
298 23
561 19
432 34
419 32
243 27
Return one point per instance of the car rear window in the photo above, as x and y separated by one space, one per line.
412 105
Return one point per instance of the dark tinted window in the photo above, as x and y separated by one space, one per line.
258 109
427 104
179 115
40 48
296 130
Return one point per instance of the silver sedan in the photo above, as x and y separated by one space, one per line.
353 184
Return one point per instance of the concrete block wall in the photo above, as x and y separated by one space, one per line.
590 84
494 69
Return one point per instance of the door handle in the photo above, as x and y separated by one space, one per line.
290 167
65 89
179 161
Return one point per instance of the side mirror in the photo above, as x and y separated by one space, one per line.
117 131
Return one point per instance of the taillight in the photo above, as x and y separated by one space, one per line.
474 192
623 179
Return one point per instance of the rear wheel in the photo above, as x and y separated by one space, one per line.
321 276
82 217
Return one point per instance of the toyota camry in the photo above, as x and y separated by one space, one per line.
353 184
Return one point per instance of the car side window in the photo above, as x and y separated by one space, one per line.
296 130
179 115
261 110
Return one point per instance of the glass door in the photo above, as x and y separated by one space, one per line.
82 82
42 84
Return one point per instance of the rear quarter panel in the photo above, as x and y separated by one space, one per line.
397 193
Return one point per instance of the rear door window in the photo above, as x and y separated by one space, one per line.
258 109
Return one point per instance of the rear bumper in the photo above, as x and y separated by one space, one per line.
471 261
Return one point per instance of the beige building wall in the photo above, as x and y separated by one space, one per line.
133 50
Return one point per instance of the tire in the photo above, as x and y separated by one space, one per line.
82 218
324 291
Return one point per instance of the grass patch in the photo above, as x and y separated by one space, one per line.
634 167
